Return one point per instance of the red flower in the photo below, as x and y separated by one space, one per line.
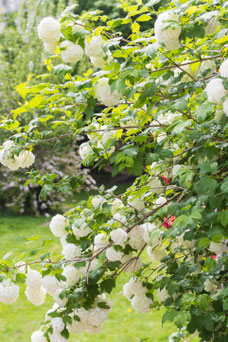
213 256
166 180
168 221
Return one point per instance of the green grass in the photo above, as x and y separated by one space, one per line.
18 321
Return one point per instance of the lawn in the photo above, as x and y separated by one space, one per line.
18 321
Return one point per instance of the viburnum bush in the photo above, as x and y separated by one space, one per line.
154 104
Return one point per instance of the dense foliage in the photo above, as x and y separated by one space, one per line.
154 104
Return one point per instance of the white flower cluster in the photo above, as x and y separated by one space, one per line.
136 203
84 150
215 90
72 52
212 22
100 241
167 31
135 292
80 229
38 336
9 292
93 47
58 225
91 320
23 160
119 236
49 31
35 292
103 93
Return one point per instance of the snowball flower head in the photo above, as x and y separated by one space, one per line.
13 163
170 35
117 205
100 241
9 292
156 253
33 279
209 286
97 201
58 300
119 236
51 47
83 229
141 304
224 68
215 91
212 23
134 288
136 237
163 294
225 107
58 225
26 159
50 284
49 30
72 275
84 150
93 48
70 251
103 93
38 336
57 324
136 203
113 255
73 52
36 296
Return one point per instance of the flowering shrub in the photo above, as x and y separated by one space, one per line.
156 107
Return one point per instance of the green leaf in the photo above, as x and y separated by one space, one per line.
144 17
204 110
103 305
107 285
223 218
206 185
